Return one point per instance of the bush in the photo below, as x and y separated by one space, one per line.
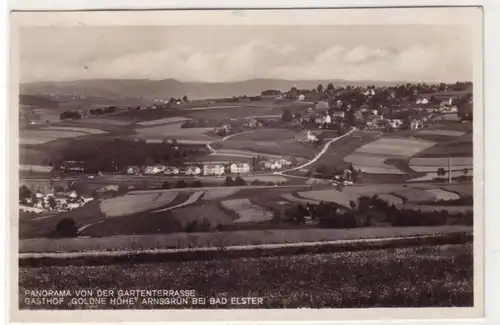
238 181
198 226
229 181
340 221
66 227
181 184
276 217
165 185
410 218
24 193
197 184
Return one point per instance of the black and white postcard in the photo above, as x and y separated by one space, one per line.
246 164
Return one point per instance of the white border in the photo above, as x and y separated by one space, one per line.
491 20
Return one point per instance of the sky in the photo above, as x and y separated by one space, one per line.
412 53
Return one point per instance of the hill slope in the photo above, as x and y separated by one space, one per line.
111 88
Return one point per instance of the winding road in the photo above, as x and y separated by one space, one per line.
318 156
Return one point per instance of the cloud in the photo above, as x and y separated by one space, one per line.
259 59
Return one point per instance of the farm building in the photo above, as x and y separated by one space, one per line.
302 97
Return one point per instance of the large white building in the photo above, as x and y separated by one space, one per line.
240 168
213 169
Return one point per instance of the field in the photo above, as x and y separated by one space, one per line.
219 193
415 195
329 195
246 211
173 239
462 190
134 203
45 226
449 133
247 154
193 198
405 277
41 136
339 149
243 110
76 129
104 121
431 176
265 135
165 120
458 147
372 157
267 144
458 164
443 195
208 211
174 131
294 199
135 224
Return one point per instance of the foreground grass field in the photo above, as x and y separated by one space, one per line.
404 277
219 239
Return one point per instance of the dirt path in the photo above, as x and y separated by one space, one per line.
318 156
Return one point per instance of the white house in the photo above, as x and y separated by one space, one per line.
415 124
152 170
72 206
302 97
285 161
193 170
423 101
213 169
340 114
396 123
239 168
311 137
328 119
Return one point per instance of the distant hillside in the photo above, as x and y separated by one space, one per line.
163 89
38 101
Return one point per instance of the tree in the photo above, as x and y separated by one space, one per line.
185 98
364 203
293 92
66 227
276 217
287 116
229 181
320 88
441 172
330 87
238 181
165 185
52 203
24 193
181 184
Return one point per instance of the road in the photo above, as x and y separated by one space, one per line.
214 152
318 156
